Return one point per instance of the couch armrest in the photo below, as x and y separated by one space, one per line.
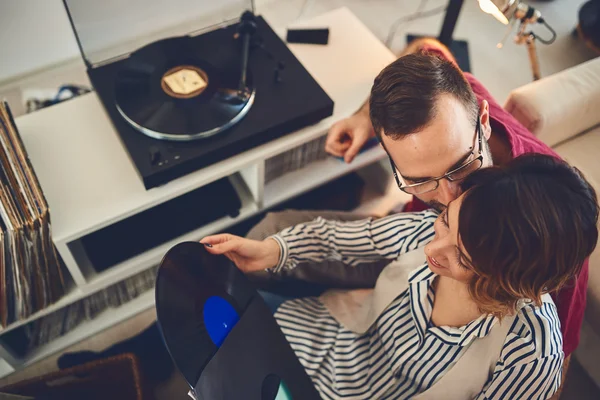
559 106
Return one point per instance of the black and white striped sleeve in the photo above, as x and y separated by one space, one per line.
354 242
530 365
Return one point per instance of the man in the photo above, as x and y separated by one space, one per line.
424 111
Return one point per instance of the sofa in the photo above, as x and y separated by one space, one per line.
563 110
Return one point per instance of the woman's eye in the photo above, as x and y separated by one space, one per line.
459 260
443 217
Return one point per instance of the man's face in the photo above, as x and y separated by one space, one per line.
442 146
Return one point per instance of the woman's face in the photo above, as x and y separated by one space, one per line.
445 254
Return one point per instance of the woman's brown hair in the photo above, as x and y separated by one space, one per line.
528 227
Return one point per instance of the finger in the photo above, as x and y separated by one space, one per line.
353 150
337 132
216 239
211 249
332 151
224 247
335 151
341 146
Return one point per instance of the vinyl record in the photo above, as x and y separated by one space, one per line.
193 285
167 90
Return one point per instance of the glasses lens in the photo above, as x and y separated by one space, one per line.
465 170
421 188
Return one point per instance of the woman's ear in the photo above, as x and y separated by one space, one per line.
484 117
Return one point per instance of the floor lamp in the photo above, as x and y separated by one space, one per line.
506 11
509 12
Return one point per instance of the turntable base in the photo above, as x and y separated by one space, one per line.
279 107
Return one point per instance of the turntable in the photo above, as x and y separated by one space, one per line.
191 83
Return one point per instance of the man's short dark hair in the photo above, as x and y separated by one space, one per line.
404 95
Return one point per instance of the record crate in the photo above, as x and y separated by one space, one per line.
114 378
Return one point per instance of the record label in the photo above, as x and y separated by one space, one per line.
184 81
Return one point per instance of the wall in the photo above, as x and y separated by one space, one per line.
33 34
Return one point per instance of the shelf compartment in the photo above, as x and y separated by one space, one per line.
5 368
314 174
77 321
105 320
295 158
148 229
151 257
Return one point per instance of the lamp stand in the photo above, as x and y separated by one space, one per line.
533 58
459 48
528 38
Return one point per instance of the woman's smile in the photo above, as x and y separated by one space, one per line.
434 262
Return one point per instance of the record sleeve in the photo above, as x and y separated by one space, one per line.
31 277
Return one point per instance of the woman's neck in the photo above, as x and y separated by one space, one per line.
452 305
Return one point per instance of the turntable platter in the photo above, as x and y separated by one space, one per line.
166 91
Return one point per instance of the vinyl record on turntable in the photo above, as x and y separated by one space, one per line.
167 91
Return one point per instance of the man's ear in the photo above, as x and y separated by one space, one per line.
484 116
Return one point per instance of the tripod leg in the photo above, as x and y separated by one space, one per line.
533 57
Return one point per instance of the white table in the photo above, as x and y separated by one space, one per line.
90 183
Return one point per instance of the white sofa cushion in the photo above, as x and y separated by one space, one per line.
582 152
559 106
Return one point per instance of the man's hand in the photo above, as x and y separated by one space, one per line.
346 137
248 255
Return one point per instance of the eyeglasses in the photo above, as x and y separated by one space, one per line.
457 174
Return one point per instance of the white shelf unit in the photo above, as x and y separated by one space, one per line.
116 273
97 281
90 183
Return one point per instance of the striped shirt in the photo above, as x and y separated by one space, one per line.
402 353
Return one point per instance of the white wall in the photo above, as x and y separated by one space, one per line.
33 34
36 33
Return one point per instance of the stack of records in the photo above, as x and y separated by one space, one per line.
295 159
31 276
27 338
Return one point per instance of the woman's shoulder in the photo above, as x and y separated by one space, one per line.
531 360
535 334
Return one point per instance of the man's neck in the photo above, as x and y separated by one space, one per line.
500 148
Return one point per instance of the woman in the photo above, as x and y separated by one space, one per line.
469 314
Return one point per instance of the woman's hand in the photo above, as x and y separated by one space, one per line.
248 255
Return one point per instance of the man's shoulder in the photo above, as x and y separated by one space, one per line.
520 139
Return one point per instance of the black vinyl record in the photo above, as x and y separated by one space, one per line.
167 90
187 277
